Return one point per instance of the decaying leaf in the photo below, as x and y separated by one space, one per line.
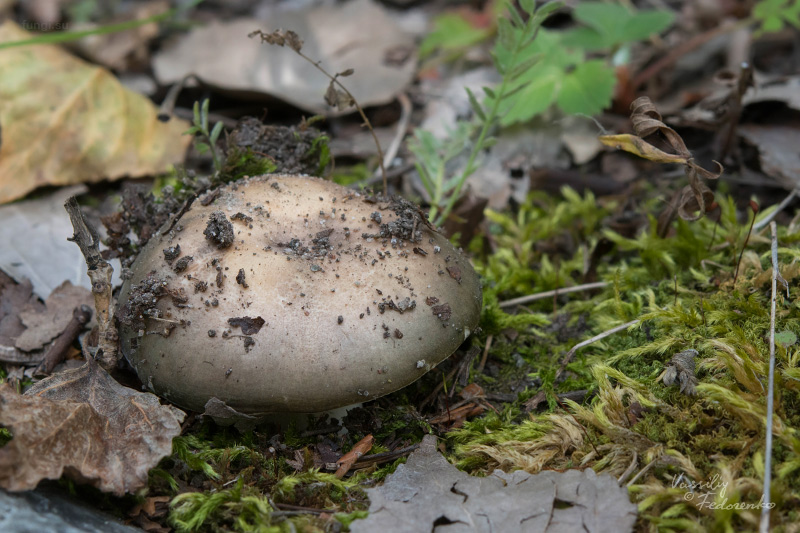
45 325
680 369
83 424
123 49
14 297
692 202
65 121
54 259
359 34
777 150
429 494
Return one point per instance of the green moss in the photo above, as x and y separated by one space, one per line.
244 162
680 289
5 436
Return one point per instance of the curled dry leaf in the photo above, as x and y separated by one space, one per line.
65 121
693 201
427 492
681 370
83 424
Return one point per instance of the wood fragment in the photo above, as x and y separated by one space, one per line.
99 271
347 461
58 350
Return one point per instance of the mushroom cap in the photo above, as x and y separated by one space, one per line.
320 297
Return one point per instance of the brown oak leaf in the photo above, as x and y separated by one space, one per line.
83 424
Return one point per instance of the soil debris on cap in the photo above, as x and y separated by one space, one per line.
249 326
182 263
241 216
172 253
219 230
240 278
408 225
442 312
455 272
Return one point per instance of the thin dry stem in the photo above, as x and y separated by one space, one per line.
88 240
764 526
367 123
542 295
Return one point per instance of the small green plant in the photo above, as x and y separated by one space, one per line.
206 140
773 15
451 36
539 68
515 34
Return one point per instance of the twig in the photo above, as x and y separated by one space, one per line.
642 471
99 271
346 462
781 206
628 471
384 457
541 395
402 127
543 295
485 355
167 108
681 50
293 510
58 350
765 499
754 207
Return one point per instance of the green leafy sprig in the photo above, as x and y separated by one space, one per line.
206 141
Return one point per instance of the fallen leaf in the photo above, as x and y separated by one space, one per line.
777 151
83 424
45 325
640 147
224 415
65 121
14 297
784 89
359 34
692 202
122 50
44 222
429 494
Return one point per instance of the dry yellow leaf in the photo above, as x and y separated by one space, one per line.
65 121
640 147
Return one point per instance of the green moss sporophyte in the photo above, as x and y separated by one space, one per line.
294 294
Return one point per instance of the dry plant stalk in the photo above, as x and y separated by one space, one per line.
690 203
99 271
339 97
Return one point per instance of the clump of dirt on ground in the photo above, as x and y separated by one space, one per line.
253 149
292 149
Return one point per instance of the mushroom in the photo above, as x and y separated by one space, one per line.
280 294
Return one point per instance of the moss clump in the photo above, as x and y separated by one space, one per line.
682 291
